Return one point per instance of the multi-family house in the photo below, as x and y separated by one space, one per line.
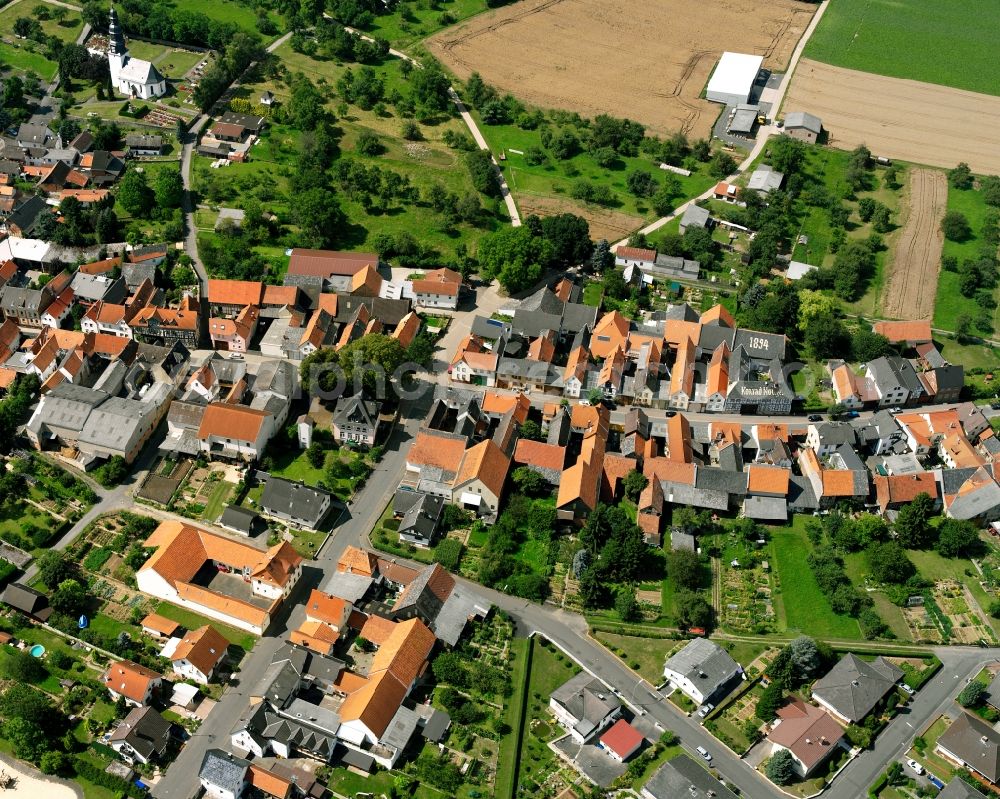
234 334
167 325
356 420
894 381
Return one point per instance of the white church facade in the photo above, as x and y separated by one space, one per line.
132 77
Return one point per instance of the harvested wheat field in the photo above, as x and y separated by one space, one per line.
911 284
904 119
647 61
604 223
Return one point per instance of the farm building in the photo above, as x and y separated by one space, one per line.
765 179
743 122
695 216
803 126
734 78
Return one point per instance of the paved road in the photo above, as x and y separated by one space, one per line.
763 134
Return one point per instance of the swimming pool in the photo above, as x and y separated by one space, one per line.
37 651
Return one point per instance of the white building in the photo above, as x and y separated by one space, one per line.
132 77
734 78
703 671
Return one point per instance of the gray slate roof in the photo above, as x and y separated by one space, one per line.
296 500
964 739
223 770
705 664
237 518
803 119
854 686
145 730
960 789
683 777
588 700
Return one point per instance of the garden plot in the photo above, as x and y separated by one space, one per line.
164 479
960 614
922 625
207 491
737 726
747 606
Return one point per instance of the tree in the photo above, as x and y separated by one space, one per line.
866 207
531 430
316 454
514 256
626 605
960 177
54 567
815 303
889 564
369 144
169 188
306 104
569 237
685 569
722 165
955 226
529 482
448 553
780 768
483 173
640 183
27 738
882 219
24 668
449 668
634 483
866 345
786 154
134 193
113 472
972 694
69 598
692 610
912 526
827 337
53 762
771 699
959 538
317 212
805 656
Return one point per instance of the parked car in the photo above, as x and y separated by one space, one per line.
907 689
851 415
995 406
913 764
705 709
701 750
670 414
585 402
815 417
934 781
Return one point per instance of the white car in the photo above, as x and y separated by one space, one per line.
913 764
704 710
907 689
701 750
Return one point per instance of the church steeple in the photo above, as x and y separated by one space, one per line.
116 40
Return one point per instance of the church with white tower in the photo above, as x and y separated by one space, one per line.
132 77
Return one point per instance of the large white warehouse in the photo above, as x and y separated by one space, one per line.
734 77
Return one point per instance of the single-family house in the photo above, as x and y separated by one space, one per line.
853 687
584 706
134 682
142 737
703 671
356 420
683 778
235 432
809 734
198 654
294 503
223 775
974 744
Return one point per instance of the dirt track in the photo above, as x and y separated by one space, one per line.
647 61
911 283
904 119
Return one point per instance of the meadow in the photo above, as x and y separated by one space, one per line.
228 11
950 303
950 44
806 608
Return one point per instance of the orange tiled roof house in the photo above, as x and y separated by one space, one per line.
217 576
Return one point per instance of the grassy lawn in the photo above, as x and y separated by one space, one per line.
649 653
924 40
522 648
24 60
226 11
66 30
294 465
593 293
856 567
306 542
420 20
111 627
950 303
172 62
935 763
549 669
805 607
221 493
192 621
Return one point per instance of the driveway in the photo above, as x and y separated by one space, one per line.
593 761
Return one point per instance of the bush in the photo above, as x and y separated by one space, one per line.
448 553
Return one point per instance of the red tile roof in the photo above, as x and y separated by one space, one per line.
622 738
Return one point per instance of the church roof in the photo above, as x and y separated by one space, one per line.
138 71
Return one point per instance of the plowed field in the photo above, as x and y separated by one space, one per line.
911 285
647 61
905 119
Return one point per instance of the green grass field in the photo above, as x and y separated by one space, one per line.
227 11
805 607
23 60
950 43
950 303
66 30
192 621
172 62
420 20
521 648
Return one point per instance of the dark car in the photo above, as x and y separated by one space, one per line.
815 417
995 406
851 415
670 414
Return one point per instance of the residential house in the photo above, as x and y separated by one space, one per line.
167 325
439 288
223 775
974 744
703 671
894 381
142 737
584 706
234 334
143 144
803 126
853 687
826 437
229 297
908 333
198 654
892 492
809 734
473 363
765 179
326 618
419 516
294 503
356 420
635 256
134 682
479 482
235 432
683 777
26 306
960 789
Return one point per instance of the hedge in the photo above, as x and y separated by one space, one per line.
878 785
96 775
7 570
